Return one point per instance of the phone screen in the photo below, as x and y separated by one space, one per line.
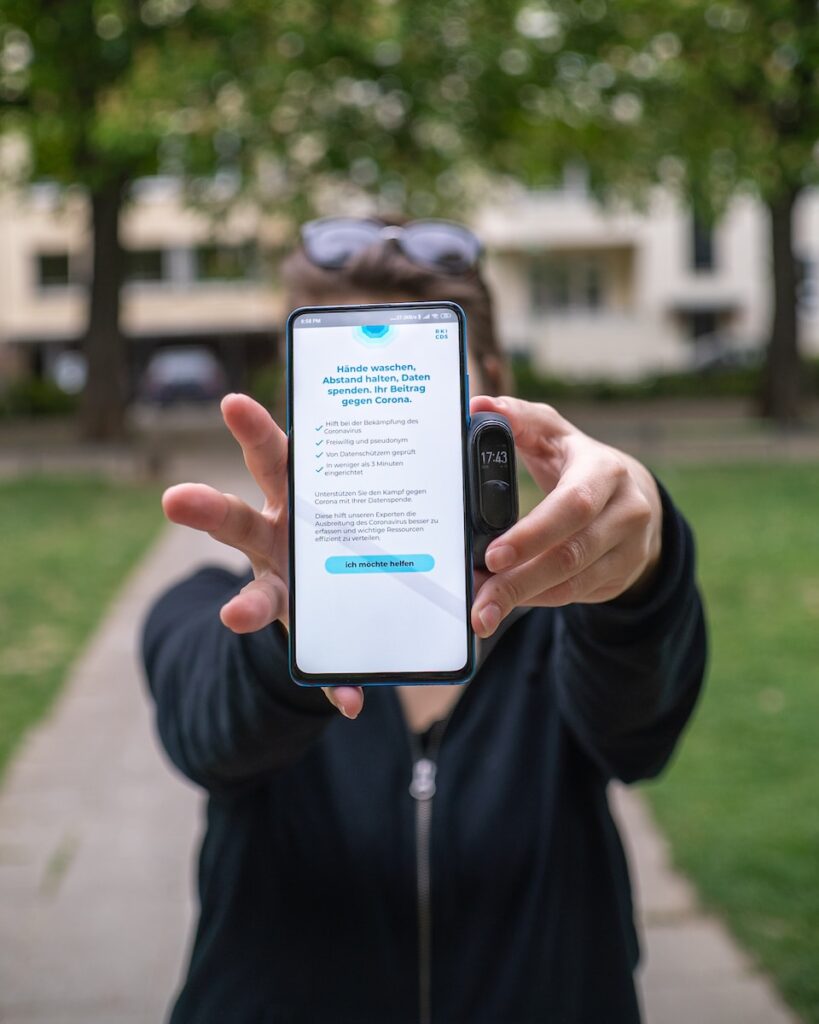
379 550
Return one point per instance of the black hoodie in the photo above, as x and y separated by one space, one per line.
496 894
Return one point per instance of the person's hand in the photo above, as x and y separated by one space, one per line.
261 536
595 536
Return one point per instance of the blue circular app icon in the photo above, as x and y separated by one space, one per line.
374 335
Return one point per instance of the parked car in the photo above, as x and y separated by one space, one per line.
192 374
69 371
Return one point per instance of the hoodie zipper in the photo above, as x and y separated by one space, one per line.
422 790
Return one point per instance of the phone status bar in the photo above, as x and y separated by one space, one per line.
368 317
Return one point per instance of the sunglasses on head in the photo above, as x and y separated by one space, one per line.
440 245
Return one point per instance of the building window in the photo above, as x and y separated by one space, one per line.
145 266
226 262
702 245
568 283
702 323
53 270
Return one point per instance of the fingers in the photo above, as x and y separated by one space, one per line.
537 427
263 443
536 586
595 564
580 496
224 516
601 581
548 571
596 533
262 601
348 699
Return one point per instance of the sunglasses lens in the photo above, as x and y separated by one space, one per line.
444 246
331 243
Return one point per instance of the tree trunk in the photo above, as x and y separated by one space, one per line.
783 377
102 410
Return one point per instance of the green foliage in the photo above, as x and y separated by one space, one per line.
710 97
67 543
96 85
33 396
312 105
267 385
739 383
309 101
295 100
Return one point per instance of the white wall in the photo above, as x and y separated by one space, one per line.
640 329
663 283
33 223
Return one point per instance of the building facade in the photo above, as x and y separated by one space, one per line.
583 291
190 280
592 292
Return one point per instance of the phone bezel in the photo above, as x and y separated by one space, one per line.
463 674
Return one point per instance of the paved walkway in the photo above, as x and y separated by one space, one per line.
96 855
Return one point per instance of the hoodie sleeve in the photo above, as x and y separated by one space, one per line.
628 675
227 710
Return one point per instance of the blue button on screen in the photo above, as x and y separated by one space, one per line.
379 563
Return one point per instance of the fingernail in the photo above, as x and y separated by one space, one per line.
500 557
490 616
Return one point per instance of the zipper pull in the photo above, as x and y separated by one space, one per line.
422 786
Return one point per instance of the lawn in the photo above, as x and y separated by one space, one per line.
740 802
67 546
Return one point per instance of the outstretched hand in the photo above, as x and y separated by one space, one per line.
596 534
260 536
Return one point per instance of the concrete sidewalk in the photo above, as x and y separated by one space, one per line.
692 971
97 840
97 832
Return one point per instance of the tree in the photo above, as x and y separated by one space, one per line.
712 96
752 67
72 78
300 102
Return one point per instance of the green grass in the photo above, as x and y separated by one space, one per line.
67 545
740 803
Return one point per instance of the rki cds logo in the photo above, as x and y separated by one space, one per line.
374 335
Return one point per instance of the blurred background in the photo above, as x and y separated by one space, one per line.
645 180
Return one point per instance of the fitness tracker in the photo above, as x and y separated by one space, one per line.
493 489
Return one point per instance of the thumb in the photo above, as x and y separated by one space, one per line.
534 424
348 699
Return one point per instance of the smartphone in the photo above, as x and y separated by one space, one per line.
380 545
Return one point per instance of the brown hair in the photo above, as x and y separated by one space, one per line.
383 271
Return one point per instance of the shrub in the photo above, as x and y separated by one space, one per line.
267 386
34 396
